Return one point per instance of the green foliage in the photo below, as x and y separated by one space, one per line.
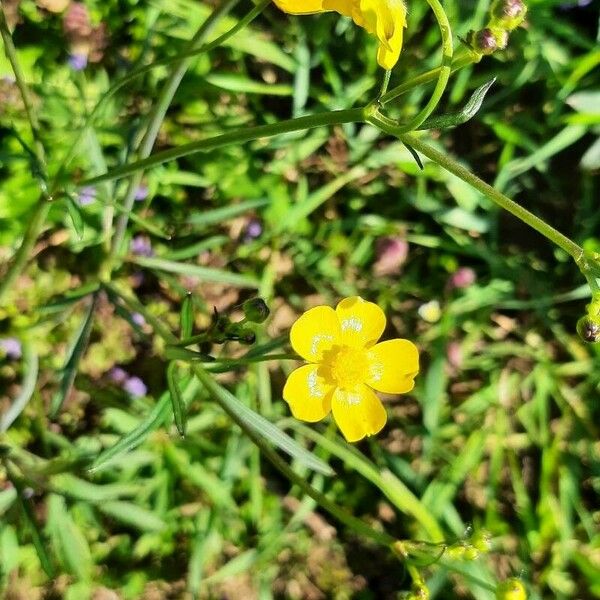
144 450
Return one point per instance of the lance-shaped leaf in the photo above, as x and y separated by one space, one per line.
470 109
74 355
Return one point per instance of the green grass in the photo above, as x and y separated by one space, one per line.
98 489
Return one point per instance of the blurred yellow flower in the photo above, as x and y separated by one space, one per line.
512 589
346 366
384 19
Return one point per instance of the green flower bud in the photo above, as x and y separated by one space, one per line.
588 329
482 541
488 40
508 14
255 310
511 589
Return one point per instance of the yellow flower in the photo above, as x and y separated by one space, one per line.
384 19
346 366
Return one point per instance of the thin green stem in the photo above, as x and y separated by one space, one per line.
155 120
11 54
40 211
238 136
443 72
451 165
459 62
385 83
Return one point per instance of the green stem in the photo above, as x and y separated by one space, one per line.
34 228
11 54
451 165
155 120
238 136
444 71
458 63
40 211
385 83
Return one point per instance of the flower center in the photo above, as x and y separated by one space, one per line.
348 366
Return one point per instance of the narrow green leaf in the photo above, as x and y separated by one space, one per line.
65 300
187 316
30 368
133 515
178 353
247 418
69 485
179 412
68 539
196 248
470 109
7 498
152 422
74 355
244 85
203 273
218 215
34 529
76 217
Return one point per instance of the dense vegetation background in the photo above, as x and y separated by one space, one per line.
501 431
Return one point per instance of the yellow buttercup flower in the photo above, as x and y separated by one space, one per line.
346 365
384 19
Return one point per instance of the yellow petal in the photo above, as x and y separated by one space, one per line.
315 332
362 322
305 7
300 7
308 394
344 7
358 412
386 20
393 366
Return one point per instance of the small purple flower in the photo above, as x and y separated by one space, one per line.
136 387
118 375
462 278
138 319
141 193
78 62
87 195
11 347
253 230
141 246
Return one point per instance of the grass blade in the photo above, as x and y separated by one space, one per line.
187 317
73 357
137 436
30 367
203 273
247 418
177 402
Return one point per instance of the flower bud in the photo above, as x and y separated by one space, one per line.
508 14
482 541
488 40
255 310
588 329
511 589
